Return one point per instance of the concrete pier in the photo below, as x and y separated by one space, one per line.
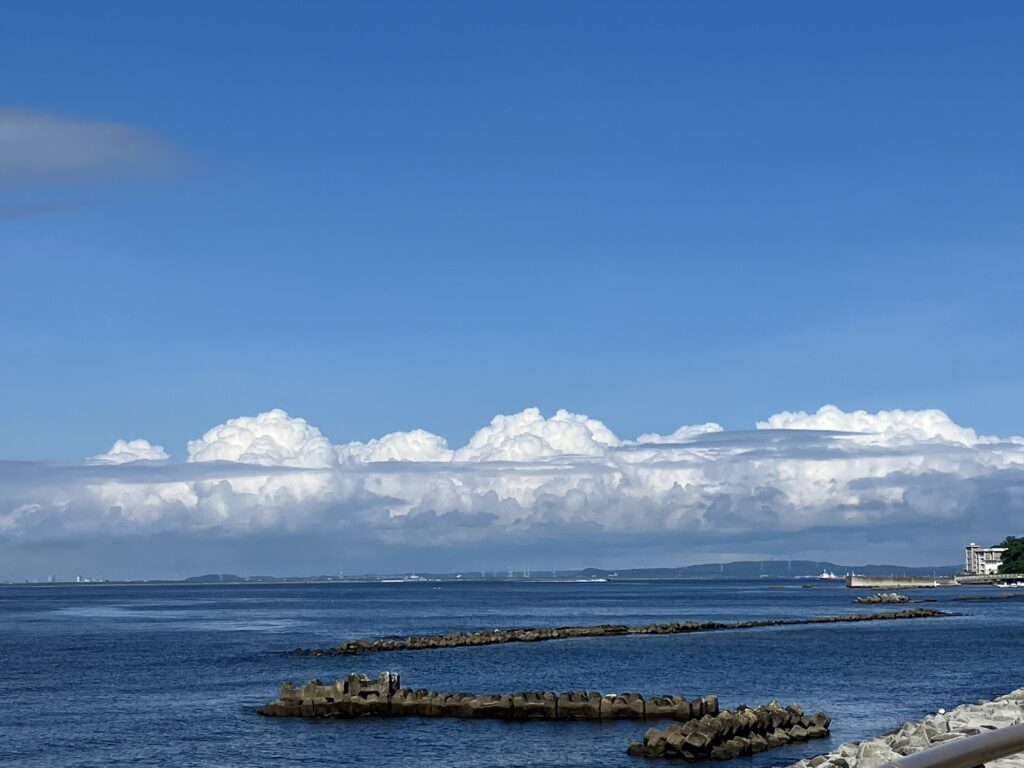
899 582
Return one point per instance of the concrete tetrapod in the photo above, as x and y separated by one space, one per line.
360 696
538 634
733 734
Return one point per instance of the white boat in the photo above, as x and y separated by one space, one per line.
829 576
404 580
1009 584
597 580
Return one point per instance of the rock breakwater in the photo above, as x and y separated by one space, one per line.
360 696
537 634
882 598
935 729
733 734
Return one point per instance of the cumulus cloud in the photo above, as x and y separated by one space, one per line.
124 451
526 478
271 439
417 445
528 436
889 426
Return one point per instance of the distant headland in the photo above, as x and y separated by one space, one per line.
735 570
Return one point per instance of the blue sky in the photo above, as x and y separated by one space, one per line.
394 216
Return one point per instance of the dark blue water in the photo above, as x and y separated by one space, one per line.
172 675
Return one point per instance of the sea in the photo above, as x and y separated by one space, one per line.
172 675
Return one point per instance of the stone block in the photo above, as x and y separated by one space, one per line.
496 707
534 705
369 705
662 708
290 693
710 705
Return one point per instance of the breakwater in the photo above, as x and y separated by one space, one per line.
899 582
733 734
383 696
882 598
987 598
937 728
537 634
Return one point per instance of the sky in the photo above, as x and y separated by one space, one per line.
453 222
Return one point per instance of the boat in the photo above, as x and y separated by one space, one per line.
1008 584
829 576
596 580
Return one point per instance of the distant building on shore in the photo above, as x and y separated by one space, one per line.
982 561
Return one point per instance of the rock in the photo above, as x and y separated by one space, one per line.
873 753
882 598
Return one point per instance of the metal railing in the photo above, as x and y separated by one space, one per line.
969 752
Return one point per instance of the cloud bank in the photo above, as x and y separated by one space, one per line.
547 484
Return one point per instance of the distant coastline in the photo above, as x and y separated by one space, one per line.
740 570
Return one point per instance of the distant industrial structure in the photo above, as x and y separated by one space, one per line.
982 561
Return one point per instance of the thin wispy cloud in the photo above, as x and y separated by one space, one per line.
38 148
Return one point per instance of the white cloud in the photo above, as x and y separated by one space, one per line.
528 436
684 434
124 451
271 439
890 426
417 445
526 475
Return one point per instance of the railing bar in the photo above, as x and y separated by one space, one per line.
970 752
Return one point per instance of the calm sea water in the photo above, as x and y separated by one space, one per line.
172 675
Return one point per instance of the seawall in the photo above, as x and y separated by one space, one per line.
899 582
359 696
938 728
537 634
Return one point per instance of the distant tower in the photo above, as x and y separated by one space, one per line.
510 571
341 573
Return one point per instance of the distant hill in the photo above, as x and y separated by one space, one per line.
211 578
754 569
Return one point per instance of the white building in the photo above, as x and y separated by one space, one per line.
982 561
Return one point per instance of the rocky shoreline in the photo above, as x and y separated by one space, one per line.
537 634
733 734
937 728
360 696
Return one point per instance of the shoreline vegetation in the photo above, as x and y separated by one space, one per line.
539 634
